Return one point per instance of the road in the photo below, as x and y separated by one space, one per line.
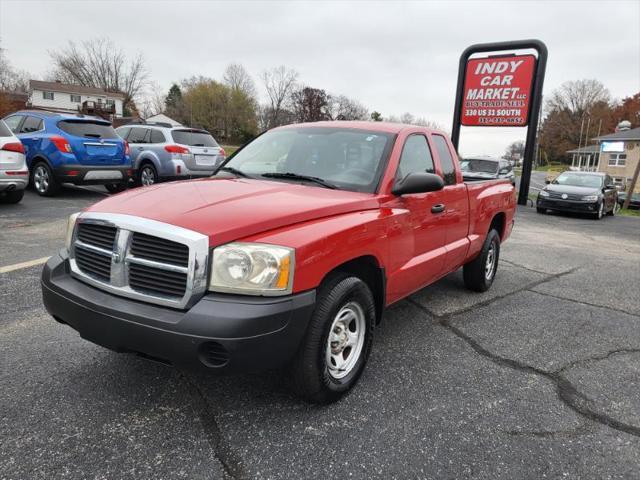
536 378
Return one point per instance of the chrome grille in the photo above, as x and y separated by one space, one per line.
93 263
157 281
159 249
570 196
139 258
98 235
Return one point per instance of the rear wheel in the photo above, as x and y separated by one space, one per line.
116 187
43 180
147 175
336 346
12 197
615 209
480 272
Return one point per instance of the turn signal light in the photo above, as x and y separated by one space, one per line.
61 144
222 152
73 173
18 172
176 149
13 147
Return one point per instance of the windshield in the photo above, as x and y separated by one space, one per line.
472 165
578 180
83 128
347 158
194 138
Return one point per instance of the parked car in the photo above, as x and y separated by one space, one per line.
485 167
14 175
581 192
287 256
66 148
633 204
163 152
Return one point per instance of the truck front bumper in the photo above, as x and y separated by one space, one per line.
220 333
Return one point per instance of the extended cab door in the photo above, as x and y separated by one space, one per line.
455 198
418 246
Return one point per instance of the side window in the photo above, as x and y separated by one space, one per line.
157 136
123 132
446 160
13 122
31 124
416 157
139 135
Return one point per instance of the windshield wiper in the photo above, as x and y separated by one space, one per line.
235 171
296 176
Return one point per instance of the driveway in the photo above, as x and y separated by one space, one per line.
539 377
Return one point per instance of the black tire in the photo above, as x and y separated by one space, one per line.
541 210
43 180
116 187
475 273
310 374
147 172
12 197
616 207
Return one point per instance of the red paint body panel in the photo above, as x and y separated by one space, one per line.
330 227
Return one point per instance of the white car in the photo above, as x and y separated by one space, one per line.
14 174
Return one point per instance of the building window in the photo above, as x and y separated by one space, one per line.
75 98
619 181
110 102
47 95
617 159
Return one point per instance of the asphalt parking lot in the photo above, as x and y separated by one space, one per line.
537 378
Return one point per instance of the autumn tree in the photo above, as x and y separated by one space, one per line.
514 150
100 63
376 116
310 104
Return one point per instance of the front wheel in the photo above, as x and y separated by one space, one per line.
480 272
335 349
147 175
541 210
600 212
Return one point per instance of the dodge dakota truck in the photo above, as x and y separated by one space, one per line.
285 258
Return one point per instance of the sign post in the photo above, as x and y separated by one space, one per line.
502 91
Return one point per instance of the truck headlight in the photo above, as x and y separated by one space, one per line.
71 224
590 198
252 269
544 193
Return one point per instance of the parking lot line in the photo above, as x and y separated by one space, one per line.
27 264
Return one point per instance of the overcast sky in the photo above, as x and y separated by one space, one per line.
394 57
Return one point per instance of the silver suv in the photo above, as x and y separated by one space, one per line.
160 151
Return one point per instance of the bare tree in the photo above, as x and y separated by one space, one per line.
340 107
99 63
153 101
11 79
236 76
578 96
279 83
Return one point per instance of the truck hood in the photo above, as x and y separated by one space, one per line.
232 209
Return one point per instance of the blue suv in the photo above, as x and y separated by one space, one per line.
67 148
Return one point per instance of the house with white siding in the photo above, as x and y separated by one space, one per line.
64 97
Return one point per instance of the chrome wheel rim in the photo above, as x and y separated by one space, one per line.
41 179
147 177
346 340
601 210
490 263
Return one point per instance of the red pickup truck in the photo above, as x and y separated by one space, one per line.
286 257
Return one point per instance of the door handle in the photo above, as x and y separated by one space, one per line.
439 208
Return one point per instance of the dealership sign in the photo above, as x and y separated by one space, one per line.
497 91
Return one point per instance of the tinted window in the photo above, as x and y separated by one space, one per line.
578 180
157 136
416 157
446 160
89 129
123 131
13 122
31 124
138 135
195 138
4 130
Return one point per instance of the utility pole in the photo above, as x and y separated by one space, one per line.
632 186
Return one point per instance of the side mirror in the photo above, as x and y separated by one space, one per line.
610 187
547 182
418 182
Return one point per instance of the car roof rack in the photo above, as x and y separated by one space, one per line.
142 121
